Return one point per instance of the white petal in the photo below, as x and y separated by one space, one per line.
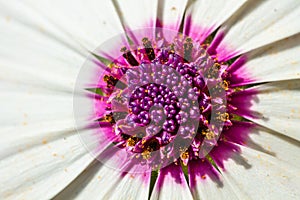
132 186
88 23
101 182
28 56
42 171
258 24
204 17
23 107
278 61
284 149
170 13
32 114
208 185
93 183
276 106
40 59
255 175
171 184
20 137
20 14
138 15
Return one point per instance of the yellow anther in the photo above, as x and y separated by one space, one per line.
146 154
225 85
208 134
131 142
184 155
224 117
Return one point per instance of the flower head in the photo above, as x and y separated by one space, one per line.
172 99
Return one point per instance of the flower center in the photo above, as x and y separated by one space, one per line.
167 102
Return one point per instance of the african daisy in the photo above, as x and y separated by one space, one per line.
144 99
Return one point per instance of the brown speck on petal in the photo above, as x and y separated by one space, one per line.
8 18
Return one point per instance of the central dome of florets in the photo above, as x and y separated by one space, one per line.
167 102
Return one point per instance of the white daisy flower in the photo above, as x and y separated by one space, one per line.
143 99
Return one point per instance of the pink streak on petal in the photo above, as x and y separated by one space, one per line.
223 152
199 170
147 30
239 132
170 26
195 31
172 170
243 102
238 75
222 51
99 107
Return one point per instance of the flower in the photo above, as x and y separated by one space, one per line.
247 50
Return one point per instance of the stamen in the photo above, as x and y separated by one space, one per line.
224 117
107 118
148 48
146 154
131 141
225 85
184 157
188 48
112 81
209 134
129 57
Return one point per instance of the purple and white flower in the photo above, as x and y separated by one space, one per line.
150 99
